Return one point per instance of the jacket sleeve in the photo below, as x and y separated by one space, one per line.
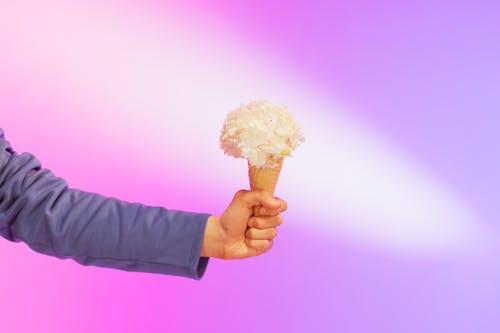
39 209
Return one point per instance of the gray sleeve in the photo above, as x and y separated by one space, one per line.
39 209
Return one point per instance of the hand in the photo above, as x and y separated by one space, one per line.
236 233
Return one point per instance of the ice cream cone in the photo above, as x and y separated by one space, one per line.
263 134
264 179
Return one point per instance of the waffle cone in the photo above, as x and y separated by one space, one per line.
264 179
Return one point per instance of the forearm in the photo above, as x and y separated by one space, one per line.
38 208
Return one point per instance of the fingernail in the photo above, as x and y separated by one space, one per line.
263 211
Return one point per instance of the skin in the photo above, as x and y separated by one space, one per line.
236 233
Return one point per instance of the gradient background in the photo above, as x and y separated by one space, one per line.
393 199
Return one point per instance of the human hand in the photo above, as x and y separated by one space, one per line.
236 233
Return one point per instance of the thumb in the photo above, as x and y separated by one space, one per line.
248 199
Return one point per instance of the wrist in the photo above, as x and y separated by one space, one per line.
212 239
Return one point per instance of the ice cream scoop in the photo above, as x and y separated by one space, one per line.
264 134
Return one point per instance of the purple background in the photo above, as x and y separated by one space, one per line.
393 199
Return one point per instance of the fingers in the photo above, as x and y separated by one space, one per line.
259 231
259 238
259 234
270 205
265 211
263 222
258 245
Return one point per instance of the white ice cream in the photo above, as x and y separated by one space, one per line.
260 132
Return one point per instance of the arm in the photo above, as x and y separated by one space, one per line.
39 209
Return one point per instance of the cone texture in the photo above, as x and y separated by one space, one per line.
264 179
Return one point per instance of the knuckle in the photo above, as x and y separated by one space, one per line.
284 205
251 222
240 193
257 222
261 248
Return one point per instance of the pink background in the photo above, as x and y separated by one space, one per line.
393 199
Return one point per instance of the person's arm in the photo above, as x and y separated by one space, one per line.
39 209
